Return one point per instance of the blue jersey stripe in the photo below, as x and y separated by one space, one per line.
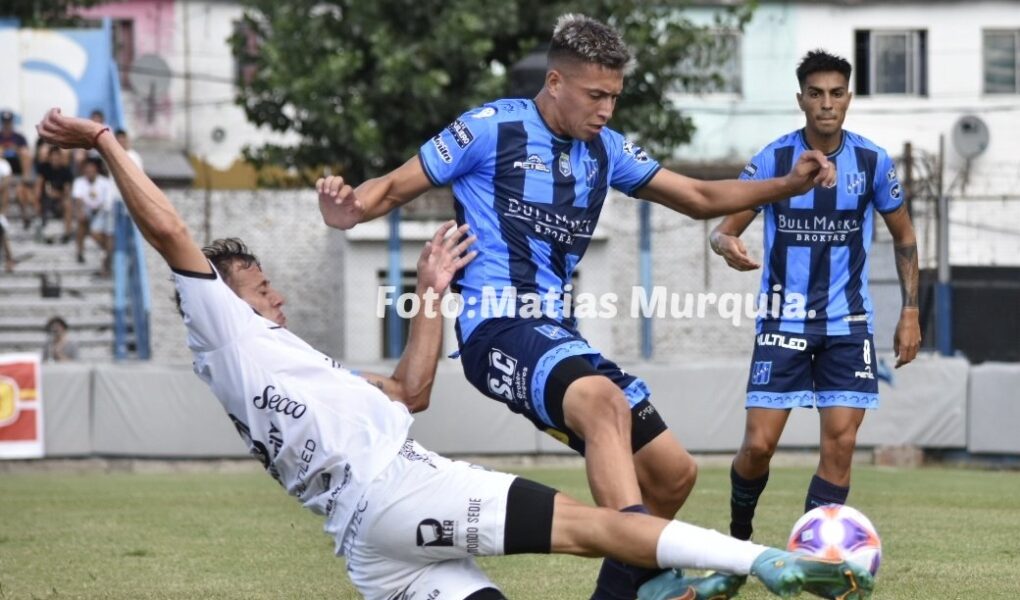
839 274
777 260
508 183
867 162
797 260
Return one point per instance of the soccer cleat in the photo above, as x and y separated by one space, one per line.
672 585
786 574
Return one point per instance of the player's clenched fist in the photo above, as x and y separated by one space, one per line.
338 203
812 168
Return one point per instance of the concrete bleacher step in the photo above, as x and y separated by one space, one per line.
77 287
68 308
38 322
36 339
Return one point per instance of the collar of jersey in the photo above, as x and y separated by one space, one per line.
842 142
546 125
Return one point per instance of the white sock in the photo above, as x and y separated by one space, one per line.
682 545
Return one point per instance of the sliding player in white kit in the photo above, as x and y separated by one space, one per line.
409 521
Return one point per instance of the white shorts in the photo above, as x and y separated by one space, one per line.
102 221
420 524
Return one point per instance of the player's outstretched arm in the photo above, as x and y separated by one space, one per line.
157 219
343 206
411 382
907 339
725 241
707 199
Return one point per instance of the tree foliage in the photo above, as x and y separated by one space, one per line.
363 84
44 13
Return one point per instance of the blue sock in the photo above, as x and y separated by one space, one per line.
744 494
619 581
822 492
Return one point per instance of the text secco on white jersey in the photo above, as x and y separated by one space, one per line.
323 433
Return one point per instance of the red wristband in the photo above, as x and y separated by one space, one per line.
95 140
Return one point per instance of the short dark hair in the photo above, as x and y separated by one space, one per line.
95 162
818 61
120 132
225 254
580 38
97 113
56 321
53 150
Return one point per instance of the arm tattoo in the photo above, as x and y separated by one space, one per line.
906 268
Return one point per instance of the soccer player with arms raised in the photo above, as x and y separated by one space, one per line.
530 178
816 246
409 521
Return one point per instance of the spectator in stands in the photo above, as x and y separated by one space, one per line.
93 201
5 244
53 188
14 149
59 347
125 143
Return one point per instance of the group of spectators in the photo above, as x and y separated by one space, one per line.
71 186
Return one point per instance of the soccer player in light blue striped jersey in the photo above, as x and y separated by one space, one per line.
815 346
530 176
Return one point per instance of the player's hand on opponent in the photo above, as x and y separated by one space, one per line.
907 339
338 203
733 250
812 169
443 256
68 132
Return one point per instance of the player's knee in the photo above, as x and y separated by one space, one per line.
758 449
597 409
841 443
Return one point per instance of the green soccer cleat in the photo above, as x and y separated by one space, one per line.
786 574
672 585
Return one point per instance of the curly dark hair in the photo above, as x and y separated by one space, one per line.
226 254
818 61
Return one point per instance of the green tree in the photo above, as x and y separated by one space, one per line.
44 13
363 84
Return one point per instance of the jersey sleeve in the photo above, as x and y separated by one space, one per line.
632 168
213 314
458 148
761 166
888 193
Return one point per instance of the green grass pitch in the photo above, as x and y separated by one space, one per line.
947 534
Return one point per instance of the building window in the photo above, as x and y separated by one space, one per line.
714 67
124 49
891 62
408 280
1002 58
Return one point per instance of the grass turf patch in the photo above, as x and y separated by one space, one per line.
947 533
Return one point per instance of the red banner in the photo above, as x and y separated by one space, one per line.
21 426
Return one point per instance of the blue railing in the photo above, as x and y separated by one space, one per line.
130 288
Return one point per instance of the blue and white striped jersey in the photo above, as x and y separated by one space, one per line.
532 198
817 244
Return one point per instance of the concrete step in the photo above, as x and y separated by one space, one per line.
76 287
86 353
36 339
38 323
67 308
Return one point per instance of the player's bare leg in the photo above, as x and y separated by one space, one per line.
750 471
596 410
831 483
666 474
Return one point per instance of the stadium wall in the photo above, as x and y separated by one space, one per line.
148 410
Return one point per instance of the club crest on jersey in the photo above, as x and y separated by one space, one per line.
855 183
534 163
895 191
750 169
565 165
761 372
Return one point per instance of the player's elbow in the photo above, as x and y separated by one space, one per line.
165 236
417 400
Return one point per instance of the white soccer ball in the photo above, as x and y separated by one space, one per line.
840 533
